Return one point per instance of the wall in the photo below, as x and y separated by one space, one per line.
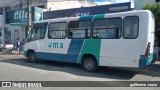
14 4
1 28
2 21
14 29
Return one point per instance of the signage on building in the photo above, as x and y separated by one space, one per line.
20 16
81 12
85 11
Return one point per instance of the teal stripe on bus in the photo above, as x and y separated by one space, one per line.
91 46
99 16
86 18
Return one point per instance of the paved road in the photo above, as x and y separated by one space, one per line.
17 68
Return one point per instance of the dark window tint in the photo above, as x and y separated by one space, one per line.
130 27
57 30
79 29
37 32
107 28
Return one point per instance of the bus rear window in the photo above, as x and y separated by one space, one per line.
130 25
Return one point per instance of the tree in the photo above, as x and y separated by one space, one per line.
155 9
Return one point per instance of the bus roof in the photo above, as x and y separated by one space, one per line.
90 17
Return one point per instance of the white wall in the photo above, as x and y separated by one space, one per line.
13 28
2 20
140 3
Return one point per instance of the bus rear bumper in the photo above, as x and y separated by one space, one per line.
145 61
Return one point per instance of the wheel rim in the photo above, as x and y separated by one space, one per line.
32 57
89 64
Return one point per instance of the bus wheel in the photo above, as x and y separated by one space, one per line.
32 57
90 64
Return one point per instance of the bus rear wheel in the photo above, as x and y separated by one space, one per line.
90 64
32 57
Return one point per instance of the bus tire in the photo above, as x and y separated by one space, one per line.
90 64
32 57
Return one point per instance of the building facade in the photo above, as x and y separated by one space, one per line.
14 19
14 15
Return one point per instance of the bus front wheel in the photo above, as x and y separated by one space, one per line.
32 57
90 64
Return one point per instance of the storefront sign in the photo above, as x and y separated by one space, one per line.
20 16
85 11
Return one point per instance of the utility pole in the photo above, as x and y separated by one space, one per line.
29 14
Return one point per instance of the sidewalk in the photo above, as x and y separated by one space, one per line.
12 56
157 62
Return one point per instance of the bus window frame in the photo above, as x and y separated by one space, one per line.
137 27
106 37
30 33
29 40
107 27
58 30
69 29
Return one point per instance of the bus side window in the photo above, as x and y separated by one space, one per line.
79 29
57 30
109 28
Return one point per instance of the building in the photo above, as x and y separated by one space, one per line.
13 15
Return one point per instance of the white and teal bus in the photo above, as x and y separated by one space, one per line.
124 39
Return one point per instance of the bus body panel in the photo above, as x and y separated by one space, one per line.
108 52
147 36
120 52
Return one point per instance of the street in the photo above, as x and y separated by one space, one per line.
17 68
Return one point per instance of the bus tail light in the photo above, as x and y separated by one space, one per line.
147 54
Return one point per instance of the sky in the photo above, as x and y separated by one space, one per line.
105 2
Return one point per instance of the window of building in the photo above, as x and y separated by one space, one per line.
1 10
79 29
107 28
130 27
57 30
38 31
7 9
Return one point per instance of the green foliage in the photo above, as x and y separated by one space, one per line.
155 9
